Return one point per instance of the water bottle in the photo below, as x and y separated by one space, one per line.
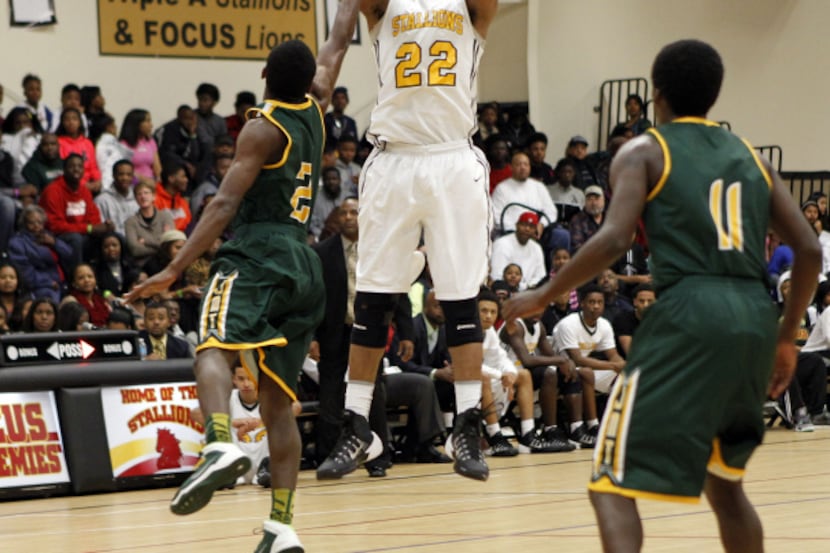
142 348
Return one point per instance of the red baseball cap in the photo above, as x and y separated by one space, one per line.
529 217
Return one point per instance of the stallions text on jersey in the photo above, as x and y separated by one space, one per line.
427 53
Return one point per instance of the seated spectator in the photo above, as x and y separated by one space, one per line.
117 203
71 99
109 151
42 316
93 105
160 342
40 256
781 256
72 140
331 195
577 152
811 213
537 146
71 214
558 310
210 186
45 164
210 126
498 155
244 101
502 381
248 429
614 303
169 194
518 194
13 296
520 248
337 123
517 129
20 137
626 322
636 122
349 170
513 276
33 92
586 223
121 318
558 259
115 276
179 142
171 242
579 335
72 316
528 348
84 289
568 198
431 355
137 136
145 229
488 119
222 146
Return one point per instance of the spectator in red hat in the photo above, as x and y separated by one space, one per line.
522 249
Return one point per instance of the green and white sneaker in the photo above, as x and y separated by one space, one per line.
222 463
279 538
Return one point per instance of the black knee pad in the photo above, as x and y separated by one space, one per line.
462 322
372 315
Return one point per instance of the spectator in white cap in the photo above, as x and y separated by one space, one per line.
587 222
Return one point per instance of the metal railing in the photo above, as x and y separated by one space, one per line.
611 106
773 153
804 183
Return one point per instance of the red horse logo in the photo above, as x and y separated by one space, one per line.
168 446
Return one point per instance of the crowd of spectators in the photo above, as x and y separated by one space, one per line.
87 212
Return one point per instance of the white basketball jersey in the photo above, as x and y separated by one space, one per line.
427 53
531 341
239 410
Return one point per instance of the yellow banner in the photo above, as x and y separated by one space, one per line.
229 29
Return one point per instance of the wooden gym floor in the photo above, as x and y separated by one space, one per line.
531 503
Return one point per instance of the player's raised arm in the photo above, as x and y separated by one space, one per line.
482 13
330 56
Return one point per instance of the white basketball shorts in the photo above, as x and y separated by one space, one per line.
440 190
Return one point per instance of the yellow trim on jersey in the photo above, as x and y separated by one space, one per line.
605 485
666 163
280 382
695 120
767 176
212 342
718 467
267 115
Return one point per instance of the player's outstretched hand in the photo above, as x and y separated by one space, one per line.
785 357
157 283
524 304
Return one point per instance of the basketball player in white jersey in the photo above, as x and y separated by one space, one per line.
423 176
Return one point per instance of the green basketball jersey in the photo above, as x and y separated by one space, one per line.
283 193
708 213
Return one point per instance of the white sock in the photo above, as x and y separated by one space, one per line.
448 420
592 423
493 429
527 426
467 395
359 397
575 425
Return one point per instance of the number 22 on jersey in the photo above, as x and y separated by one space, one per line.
730 228
444 57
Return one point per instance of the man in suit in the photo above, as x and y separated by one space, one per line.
160 343
431 356
338 255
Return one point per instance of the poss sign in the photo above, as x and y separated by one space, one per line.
67 347
230 29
